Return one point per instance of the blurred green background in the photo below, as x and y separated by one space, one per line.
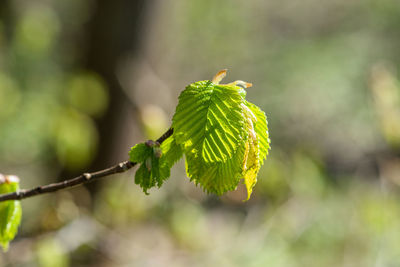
81 81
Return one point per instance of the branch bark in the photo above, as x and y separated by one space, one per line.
81 179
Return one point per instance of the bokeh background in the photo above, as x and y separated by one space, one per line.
81 81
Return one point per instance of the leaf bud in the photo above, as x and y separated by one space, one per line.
150 143
157 152
148 164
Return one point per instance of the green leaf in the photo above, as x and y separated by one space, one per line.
261 129
143 178
256 146
251 162
155 168
10 213
140 153
208 121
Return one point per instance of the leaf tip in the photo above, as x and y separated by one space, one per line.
219 76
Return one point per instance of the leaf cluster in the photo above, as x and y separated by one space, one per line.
155 162
223 136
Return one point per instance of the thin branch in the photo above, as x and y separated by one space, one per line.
81 179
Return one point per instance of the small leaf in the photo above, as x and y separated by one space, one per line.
251 164
10 211
160 168
140 153
155 169
143 178
261 130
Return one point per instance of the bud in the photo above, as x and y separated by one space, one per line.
219 76
157 152
150 143
8 179
12 179
148 163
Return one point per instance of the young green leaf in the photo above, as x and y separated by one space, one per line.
261 130
156 163
208 121
143 178
10 211
224 137
251 162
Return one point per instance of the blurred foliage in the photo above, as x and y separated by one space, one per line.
45 110
386 97
50 253
325 72
87 93
154 121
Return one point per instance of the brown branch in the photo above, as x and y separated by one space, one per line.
82 179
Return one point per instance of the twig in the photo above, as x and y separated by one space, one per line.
82 179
